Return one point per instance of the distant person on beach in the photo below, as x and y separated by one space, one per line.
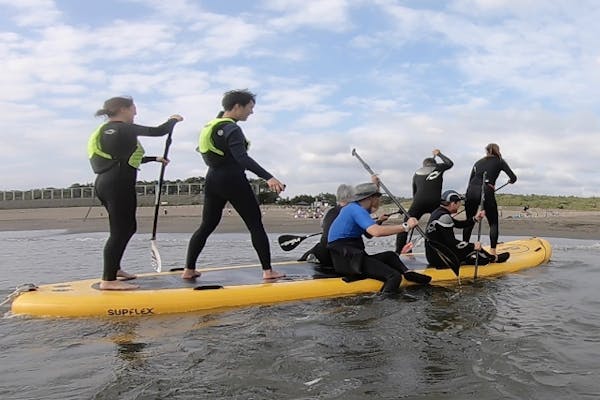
426 189
492 164
115 154
224 149
440 229
348 248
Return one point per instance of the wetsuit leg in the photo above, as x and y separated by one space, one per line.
390 258
211 216
471 204
391 277
119 198
416 210
491 214
247 207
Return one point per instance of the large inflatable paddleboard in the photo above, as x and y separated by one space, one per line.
240 286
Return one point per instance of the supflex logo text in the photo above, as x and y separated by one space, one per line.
130 311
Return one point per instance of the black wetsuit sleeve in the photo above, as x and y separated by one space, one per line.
509 172
237 147
447 163
161 130
149 159
414 186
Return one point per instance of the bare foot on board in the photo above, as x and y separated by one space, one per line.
117 285
125 276
270 274
190 274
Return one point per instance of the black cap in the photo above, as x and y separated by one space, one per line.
451 196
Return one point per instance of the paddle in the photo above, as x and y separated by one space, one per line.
479 223
443 252
156 261
290 242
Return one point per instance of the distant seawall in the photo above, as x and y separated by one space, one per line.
143 201
83 196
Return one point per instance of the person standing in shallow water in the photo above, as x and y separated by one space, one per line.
224 149
115 154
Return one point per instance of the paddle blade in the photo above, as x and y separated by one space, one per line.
156 261
290 242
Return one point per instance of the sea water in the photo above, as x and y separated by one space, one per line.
529 335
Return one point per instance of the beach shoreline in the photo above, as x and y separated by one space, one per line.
277 219
280 220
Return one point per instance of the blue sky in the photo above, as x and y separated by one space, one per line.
393 79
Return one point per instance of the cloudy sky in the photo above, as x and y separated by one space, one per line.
393 79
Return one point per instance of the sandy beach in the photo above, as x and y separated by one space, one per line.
184 219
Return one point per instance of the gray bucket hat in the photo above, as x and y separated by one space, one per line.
364 190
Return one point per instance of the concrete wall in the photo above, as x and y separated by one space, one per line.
143 201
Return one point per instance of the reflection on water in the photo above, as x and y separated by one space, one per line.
528 335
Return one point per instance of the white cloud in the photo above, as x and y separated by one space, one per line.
33 13
392 81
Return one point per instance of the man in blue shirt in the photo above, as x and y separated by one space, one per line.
348 249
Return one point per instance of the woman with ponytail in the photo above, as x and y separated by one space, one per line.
491 165
115 154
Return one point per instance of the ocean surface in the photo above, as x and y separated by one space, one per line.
529 335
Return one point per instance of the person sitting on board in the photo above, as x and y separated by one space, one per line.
115 155
348 249
440 229
426 189
224 149
319 252
492 164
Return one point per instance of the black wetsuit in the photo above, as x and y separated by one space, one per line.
492 165
427 191
440 229
115 187
320 250
226 182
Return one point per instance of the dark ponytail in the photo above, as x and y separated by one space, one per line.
113 105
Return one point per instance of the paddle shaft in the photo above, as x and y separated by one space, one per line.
160 184
481 201
386 190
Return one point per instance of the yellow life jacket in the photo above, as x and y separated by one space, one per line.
102 161
205 141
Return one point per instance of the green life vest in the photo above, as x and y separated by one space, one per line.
102 161
205 141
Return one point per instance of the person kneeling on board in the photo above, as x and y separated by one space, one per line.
348 249
440 229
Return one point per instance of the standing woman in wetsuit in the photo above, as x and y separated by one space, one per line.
115 154
426 189
224 149
491 164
